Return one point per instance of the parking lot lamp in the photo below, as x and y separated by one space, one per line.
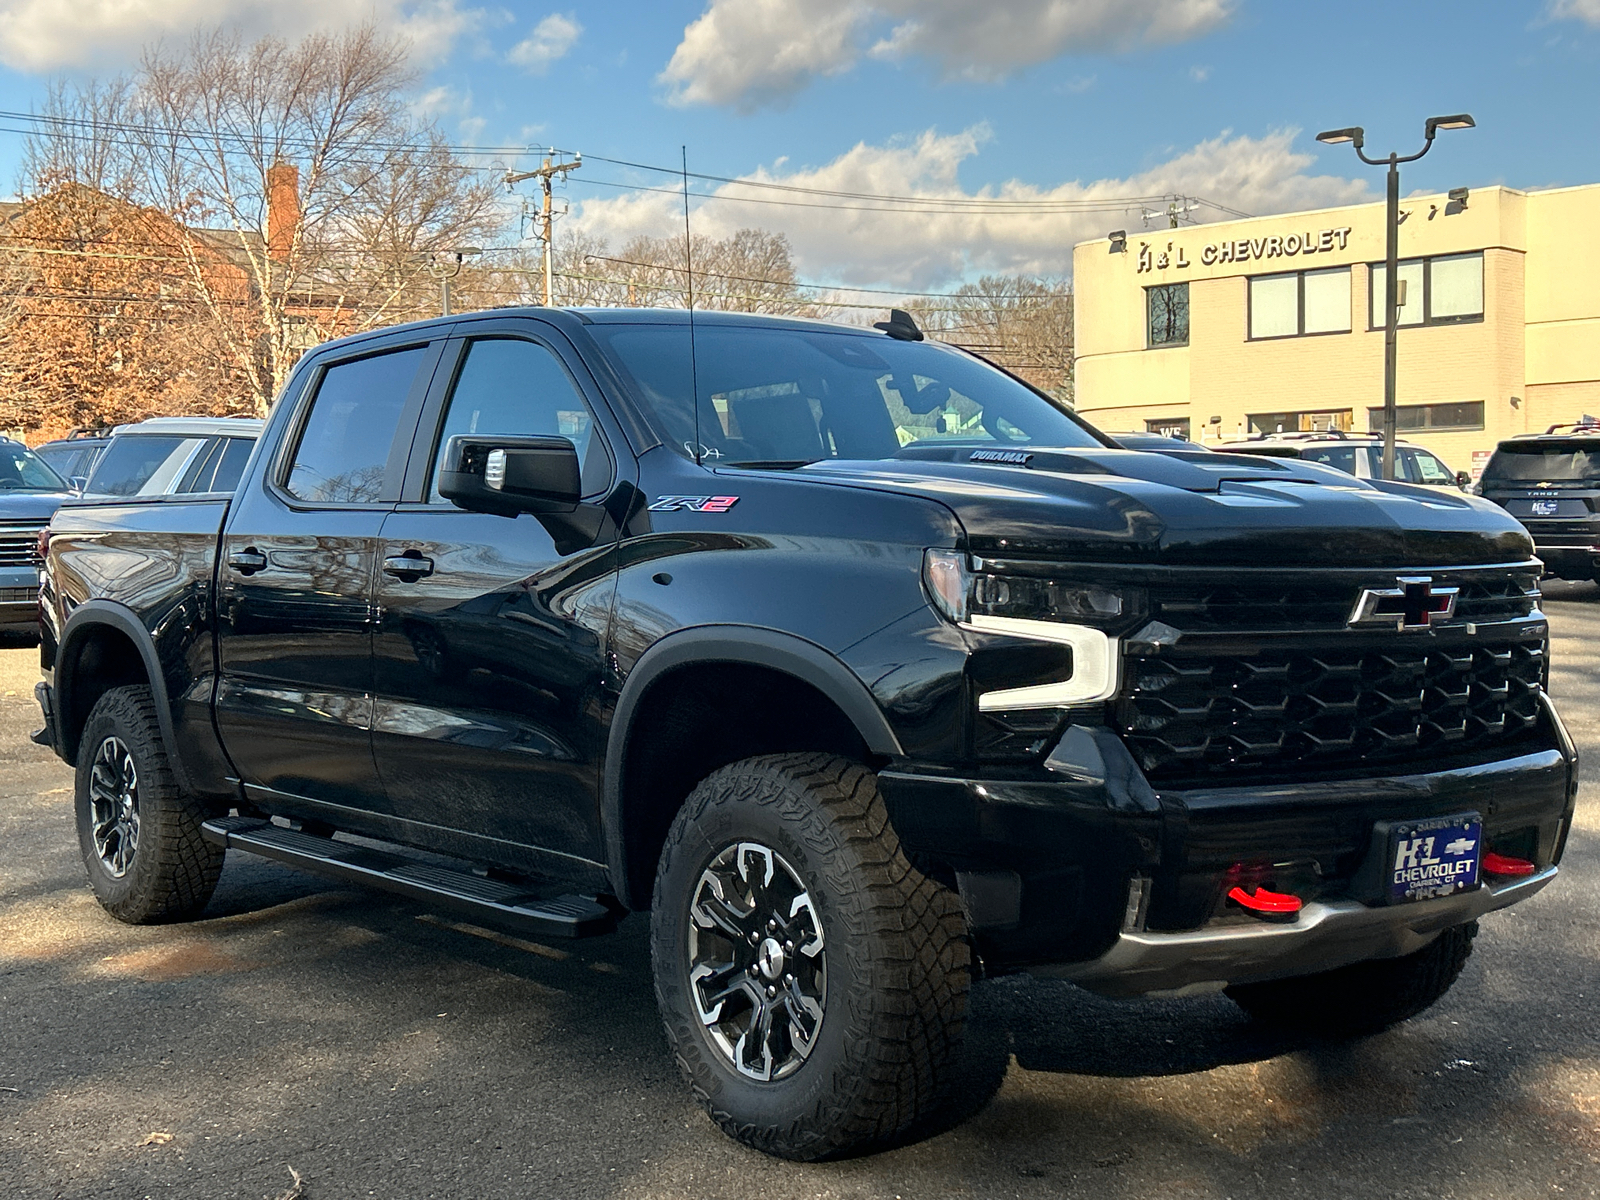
1393 296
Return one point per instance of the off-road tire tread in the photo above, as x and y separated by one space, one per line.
1365 997
900 1072
175 881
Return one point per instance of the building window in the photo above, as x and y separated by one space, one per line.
1172 427
1300 302
1300 422
1439 291
1168 305
1466 415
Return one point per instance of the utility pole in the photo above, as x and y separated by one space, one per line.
546 173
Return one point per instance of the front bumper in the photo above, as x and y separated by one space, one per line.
1324 937
1079 868
19 599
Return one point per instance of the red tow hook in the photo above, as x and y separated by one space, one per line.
1269 906
1504 864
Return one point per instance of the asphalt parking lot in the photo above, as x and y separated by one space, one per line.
374 1049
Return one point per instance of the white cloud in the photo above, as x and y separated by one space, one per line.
48 35
1587 11
753 52
550 40
1199 74
933 249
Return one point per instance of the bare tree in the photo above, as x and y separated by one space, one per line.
1022 323
752 271
309 199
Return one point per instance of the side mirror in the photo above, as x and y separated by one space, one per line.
78 482
1463 479
511 475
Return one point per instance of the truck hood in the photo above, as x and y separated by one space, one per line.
1193 508
31 507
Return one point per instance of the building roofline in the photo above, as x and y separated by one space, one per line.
1419 197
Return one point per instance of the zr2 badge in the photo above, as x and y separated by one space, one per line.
705 504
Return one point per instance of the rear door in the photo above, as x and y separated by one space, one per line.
490 650
295 582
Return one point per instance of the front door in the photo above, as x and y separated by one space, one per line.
490 651
295 602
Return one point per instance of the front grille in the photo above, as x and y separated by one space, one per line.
1197 714
18 595
1272 605
19 547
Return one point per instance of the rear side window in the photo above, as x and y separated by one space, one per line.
1342 458
1423 467
140 464
344 445
220 468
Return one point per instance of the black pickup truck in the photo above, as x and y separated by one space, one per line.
863 666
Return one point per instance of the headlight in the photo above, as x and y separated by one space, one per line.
961 594
1077 614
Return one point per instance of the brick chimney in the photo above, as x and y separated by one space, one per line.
283 208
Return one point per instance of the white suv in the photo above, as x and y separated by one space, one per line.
167 455
1359 454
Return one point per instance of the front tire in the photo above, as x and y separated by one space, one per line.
1364 997
138 833
813 983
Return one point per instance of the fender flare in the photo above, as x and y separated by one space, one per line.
753 645
89 615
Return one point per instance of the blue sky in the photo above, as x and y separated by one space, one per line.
1036 100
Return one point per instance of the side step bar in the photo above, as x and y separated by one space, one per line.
491 901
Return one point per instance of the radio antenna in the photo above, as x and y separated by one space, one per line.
688 258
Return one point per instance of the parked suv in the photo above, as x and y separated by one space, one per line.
74 456
174 455
861 665
1551 483
29 495
1358 454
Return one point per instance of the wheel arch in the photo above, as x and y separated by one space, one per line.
778 655
111 636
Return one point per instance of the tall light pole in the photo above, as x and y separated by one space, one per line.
446 276
1392 298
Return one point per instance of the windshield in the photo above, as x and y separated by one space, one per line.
786 397
21 470
1543 464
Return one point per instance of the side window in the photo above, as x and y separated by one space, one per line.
1341 457
344 446
520 389
1422 467
140 464
198 477
230 467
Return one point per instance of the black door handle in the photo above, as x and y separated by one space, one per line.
408 567
247 561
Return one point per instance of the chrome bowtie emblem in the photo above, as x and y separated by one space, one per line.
1412 603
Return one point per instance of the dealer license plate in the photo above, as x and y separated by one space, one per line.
1437 857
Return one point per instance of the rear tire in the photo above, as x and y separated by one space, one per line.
864 961
139 834
1365 997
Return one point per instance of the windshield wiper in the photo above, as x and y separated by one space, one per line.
773 464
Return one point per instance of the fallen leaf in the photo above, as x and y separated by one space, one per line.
156 1138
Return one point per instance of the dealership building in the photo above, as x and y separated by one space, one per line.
1219 331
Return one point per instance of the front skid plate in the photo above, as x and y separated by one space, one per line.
1326 936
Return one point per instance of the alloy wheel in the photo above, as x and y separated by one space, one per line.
114 806
756 962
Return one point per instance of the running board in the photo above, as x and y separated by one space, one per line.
492 901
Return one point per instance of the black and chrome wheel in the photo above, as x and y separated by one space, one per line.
138 833
813 982
114 805
756 963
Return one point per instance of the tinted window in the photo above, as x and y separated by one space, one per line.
520 389
1341 457
138 463
230 467
1554 464
21 470
789 396
344 447
60 459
